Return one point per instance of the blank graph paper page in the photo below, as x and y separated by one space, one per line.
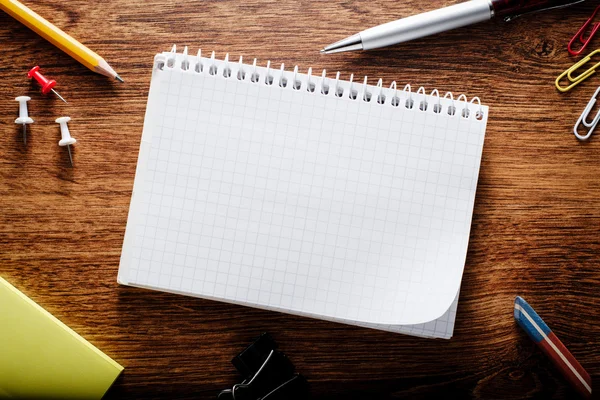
304 194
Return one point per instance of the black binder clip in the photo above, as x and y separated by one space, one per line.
268 374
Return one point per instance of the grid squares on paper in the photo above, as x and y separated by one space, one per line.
292 200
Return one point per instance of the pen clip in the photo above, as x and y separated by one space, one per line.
509 18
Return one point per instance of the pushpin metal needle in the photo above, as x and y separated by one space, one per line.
70 156
24 118
66 139
47 84
58 95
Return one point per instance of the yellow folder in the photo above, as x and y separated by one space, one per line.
40 357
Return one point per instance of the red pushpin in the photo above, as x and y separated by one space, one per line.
47 84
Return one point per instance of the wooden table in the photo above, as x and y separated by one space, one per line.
536 224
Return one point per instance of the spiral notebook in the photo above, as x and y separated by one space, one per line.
303 193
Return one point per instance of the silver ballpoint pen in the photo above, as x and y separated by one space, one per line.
440 20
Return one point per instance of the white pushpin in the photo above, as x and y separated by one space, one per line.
23 115
66 139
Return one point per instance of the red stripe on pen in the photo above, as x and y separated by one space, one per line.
564 367
584 374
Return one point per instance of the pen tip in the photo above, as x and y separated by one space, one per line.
351 43
117 77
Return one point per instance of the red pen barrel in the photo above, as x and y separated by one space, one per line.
503 8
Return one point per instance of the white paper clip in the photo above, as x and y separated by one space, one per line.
584 116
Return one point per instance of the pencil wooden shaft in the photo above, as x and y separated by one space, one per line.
57 37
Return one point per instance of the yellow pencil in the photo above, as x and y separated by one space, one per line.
58 38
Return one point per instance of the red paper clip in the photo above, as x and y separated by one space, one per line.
581 33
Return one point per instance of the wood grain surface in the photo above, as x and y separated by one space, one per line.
536 223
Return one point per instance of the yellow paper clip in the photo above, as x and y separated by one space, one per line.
581 77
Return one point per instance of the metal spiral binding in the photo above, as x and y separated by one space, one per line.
418 101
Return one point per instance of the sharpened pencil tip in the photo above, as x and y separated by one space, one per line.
117 77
